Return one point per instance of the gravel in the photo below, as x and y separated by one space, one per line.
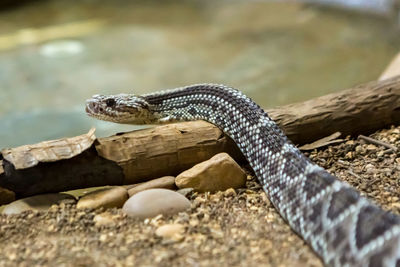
234 227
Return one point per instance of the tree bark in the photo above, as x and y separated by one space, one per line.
362 109
169 149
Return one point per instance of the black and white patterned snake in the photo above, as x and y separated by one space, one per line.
342 227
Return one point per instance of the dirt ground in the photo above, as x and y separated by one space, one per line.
231 228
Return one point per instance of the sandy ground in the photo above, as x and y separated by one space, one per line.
231 228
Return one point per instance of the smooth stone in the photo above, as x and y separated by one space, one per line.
111 197
171 231
166 182
152 202
39 202
216 174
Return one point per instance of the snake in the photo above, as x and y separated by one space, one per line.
342 227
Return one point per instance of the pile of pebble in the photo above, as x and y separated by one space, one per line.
165 195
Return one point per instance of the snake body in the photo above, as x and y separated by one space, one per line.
342 227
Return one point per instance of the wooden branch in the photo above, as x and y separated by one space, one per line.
377 142
362 109
167 150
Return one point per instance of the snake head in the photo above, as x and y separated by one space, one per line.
122 108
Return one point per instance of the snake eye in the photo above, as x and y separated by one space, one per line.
110 102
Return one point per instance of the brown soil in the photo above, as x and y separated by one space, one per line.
224 229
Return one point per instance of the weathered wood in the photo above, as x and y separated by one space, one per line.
362 109
167 150
84 170
27 156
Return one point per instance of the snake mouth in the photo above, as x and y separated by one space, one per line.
92 109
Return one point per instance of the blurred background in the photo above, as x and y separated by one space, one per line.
55 54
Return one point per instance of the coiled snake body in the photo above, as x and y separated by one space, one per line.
342 227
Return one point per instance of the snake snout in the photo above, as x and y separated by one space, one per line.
92 107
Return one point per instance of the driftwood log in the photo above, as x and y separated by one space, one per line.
133 157
362 109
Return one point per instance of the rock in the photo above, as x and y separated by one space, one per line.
216 174
396 205
360 149
111 197
230 192
349 155
166 182
38 202
369 166
152 202
172 232
370 169
104 218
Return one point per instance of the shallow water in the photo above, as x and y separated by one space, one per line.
54 55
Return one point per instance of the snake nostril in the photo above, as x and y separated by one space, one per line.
93 107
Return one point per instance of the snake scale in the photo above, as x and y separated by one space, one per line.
342 227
